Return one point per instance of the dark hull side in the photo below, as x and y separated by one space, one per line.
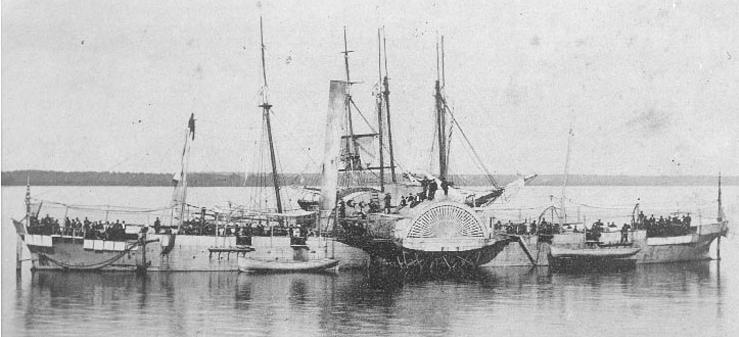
393 255
183 253
694 247
69 254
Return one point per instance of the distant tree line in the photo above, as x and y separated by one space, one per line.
215 179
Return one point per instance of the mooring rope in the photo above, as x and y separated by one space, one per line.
93 266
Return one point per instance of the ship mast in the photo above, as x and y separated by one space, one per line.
179 195
386 95
720 216
440 115
28 201
353 154
379 112
563 216
265 113
441 123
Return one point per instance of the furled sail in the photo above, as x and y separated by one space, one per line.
179 180
332 148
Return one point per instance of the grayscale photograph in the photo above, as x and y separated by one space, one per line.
369 168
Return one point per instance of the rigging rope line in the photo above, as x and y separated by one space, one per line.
477 156
362 115
112 208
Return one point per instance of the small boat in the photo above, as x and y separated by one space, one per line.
247 264
592 259
598 253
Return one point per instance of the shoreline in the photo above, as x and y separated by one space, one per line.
230 179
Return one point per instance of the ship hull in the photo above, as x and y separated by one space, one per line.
69 254
692 247
189 253
195 253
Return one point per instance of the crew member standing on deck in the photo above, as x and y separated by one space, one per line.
425 187
342 209
432 189
625 233
445 186
388 198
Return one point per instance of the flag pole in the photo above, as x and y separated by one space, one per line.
720 219
19 237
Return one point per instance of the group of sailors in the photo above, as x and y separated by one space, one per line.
200 226
360 209
243 232
115 231
96 230
598 227
542 227
663 226
429 187
44 226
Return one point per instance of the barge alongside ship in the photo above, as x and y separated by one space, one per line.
693 243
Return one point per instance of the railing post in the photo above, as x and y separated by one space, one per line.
718 248
18 252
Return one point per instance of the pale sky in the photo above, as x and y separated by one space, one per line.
648 87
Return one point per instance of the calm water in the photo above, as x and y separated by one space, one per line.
693 299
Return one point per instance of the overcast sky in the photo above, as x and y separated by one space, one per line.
648 87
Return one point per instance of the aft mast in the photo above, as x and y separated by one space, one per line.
720 217
442 109
379 113
179 197
386 95
265 113
352 140
563 216
440 115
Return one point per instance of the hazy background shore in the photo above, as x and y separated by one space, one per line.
216 179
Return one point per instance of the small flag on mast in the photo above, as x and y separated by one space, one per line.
191 125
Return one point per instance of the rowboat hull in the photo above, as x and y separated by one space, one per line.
590 259
593 253
247 265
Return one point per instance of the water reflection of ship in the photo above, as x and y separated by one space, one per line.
681 277
308 300
159 303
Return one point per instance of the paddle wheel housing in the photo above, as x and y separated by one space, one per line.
445 226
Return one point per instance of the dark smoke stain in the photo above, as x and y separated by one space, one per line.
199 72
649 122
535 41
